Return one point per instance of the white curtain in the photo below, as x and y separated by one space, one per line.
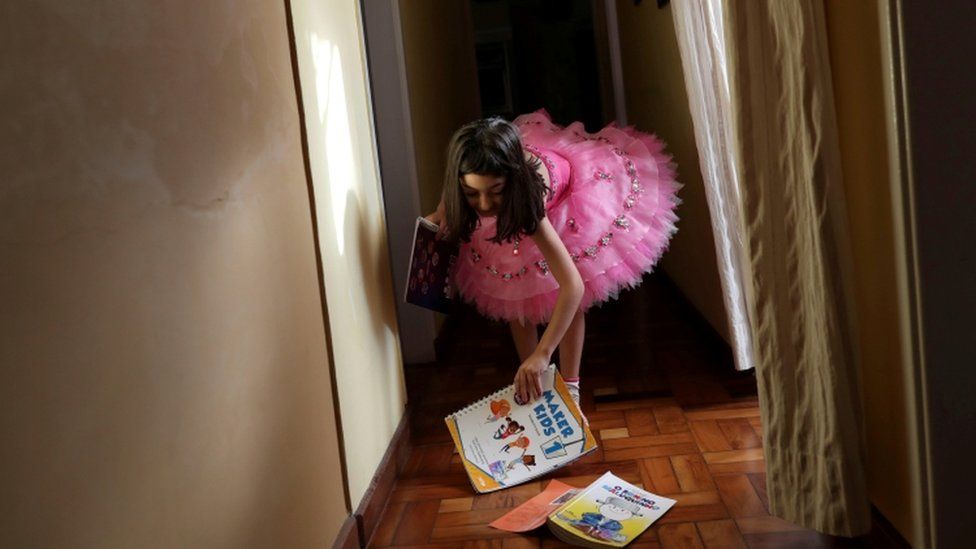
758 81
701 40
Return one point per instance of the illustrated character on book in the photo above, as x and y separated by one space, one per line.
606 524
520 442
499 409
499 469
527 460
510 428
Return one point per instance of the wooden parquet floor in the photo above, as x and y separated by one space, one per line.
671 414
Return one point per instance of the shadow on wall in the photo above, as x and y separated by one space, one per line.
352 234
374 261
352 222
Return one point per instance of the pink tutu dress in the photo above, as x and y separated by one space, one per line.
613 201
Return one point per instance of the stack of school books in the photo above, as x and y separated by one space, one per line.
610 512
503 443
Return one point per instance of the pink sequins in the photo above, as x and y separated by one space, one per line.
507 276
550 165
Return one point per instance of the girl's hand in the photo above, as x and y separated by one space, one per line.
528 379
439 217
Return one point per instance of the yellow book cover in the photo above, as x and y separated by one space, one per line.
503 443
610 512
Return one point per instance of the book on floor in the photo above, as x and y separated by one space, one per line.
503 443
610 512
431 262
534 513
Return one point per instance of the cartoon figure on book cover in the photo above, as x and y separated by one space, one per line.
510 428
606 524
499 409
527 460
520 442
499 469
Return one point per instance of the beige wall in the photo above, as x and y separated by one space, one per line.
352 232
165 374
856 63
657 102
442 83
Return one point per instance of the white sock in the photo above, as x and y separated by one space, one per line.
574 390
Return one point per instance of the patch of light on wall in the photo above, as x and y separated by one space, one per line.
333 115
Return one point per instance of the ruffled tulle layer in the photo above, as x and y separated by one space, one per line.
614 210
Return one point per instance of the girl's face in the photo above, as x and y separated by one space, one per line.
483 193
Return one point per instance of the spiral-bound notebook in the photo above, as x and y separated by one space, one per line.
503 443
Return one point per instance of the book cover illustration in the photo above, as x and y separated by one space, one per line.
609 512
503 443
431 262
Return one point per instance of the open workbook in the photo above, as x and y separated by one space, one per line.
610 512
503 443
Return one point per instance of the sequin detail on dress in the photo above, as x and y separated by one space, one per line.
612 202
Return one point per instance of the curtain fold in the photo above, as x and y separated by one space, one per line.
699 27
759 84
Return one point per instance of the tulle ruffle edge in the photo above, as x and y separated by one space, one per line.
541 130
639 257
628 273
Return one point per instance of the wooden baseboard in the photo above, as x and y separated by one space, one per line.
887 531
348 537
367 515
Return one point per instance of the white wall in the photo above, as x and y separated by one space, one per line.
352 232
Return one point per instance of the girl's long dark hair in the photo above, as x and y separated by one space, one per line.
492 147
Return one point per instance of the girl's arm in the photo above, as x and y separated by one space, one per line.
528 379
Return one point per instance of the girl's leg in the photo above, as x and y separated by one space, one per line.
571 347
526 338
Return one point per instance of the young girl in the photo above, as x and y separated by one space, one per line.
552 221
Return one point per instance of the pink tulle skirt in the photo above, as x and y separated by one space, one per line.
613 206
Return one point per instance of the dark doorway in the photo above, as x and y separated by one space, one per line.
535 54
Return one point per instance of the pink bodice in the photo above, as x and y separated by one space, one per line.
559 171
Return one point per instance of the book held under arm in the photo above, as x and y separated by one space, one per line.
503 443
431 261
